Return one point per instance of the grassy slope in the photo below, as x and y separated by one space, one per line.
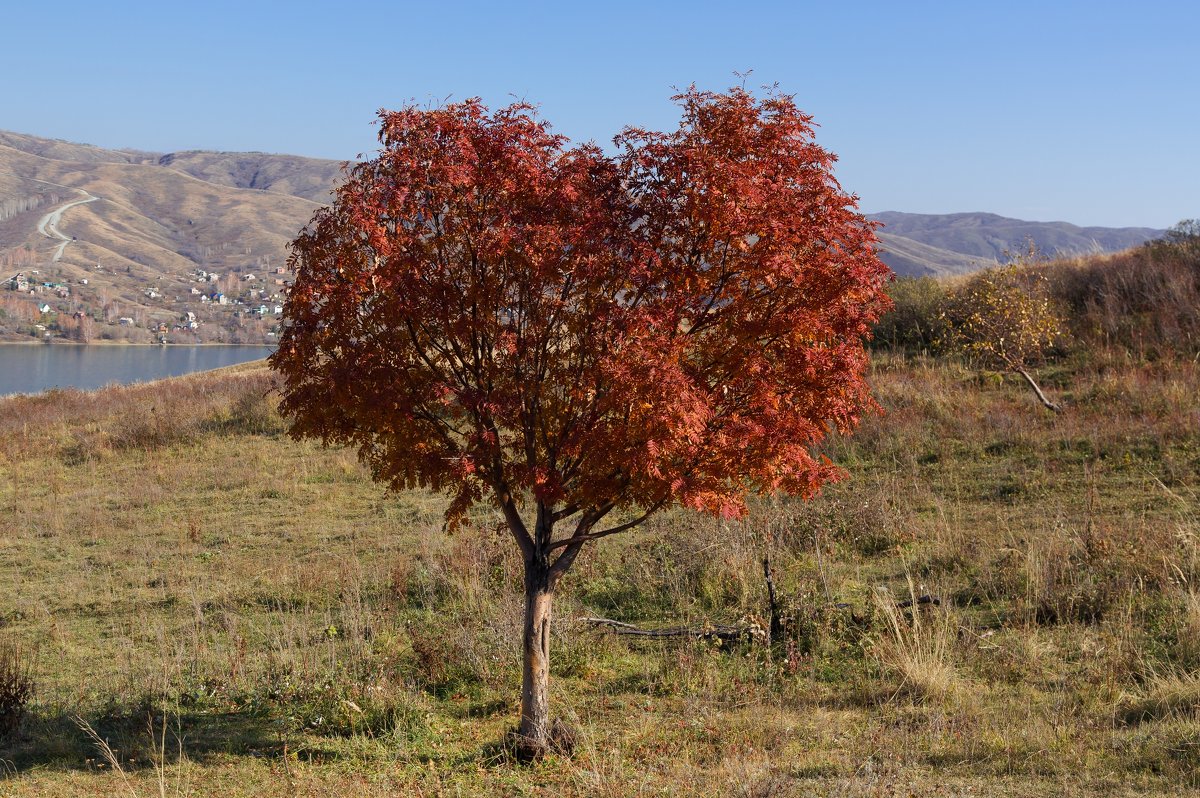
169 550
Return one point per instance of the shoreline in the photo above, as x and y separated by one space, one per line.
126 343
106 365
245 365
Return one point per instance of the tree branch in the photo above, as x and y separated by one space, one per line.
1046 402
516 524
578 538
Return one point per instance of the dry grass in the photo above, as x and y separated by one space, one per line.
919 646
1145 300
1172 694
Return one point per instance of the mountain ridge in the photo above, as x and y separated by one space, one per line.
191 245
989 238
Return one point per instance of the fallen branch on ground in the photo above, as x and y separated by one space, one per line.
726 634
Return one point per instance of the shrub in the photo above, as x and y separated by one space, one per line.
1146 300
256 414
16 686
914 323
1184 238
251 413
1004 319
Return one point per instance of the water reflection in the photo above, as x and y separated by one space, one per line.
38 367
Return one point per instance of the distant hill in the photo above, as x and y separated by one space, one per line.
911 258
168 234
309 178
956 243
141 255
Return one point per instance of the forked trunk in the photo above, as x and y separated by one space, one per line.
534 731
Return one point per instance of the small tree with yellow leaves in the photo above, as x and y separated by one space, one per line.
1004 318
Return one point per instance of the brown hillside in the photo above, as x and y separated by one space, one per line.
141 245
309 178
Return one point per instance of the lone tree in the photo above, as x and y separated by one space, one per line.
581 339
1004 318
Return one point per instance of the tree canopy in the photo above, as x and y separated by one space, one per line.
485 310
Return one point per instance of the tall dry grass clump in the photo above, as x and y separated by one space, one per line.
1146 300
918 645
1189 635
1173 693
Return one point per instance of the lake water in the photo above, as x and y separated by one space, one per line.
26 368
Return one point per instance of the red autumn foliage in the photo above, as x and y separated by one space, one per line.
488 311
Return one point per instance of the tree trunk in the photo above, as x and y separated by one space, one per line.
1046 402
534 731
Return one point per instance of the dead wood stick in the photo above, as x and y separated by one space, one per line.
724 633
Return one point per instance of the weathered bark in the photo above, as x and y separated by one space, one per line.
1048 404
534 731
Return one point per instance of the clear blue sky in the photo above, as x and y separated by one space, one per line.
1087 112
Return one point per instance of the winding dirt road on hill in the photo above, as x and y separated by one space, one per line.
48 225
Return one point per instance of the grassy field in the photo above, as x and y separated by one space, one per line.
234 613
205 607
